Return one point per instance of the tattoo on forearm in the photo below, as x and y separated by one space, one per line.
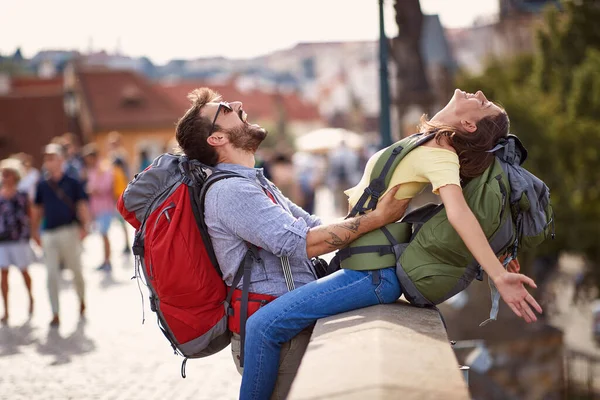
336 241
352 226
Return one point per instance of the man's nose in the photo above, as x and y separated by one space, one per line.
480 94
236 105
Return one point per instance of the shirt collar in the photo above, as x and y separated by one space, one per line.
250 173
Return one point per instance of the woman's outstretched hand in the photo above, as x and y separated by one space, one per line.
512 289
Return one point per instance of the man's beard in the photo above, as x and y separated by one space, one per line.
247 137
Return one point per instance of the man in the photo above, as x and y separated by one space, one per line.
253 210
62 201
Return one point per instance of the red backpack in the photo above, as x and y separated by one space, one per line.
172 248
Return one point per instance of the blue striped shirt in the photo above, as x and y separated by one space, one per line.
237 210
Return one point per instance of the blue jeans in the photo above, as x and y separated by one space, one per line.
282 319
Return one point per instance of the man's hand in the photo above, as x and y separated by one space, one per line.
325 238
513 292
389 209
83 232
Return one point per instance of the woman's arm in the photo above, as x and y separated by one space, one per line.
509 285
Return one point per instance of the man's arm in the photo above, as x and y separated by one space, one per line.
299 212
267 225
82 209
36 214
83 214
327 238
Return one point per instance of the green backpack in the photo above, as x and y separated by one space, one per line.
431 260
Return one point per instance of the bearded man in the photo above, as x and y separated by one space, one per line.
250 209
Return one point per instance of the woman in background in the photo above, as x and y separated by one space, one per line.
15 230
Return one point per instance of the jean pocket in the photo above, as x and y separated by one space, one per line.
388 289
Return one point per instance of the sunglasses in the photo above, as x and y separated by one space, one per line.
226 108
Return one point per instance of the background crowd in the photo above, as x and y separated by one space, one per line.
44 215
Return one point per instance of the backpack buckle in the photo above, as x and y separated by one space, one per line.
479 276
153 303
138 245
373 194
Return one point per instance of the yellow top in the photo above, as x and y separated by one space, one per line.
418 168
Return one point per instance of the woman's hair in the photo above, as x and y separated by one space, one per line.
471 147
14 165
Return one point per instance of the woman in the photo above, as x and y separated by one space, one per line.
14 230
102 202
465 129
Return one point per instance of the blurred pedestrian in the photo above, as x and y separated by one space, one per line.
261 161
119 159
15 229
74 165
579 288
283 175
310 176
100 191
31 175
63 202
344 173
145 160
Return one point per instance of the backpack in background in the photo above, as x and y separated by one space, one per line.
174 254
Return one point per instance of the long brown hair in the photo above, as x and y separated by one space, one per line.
471 147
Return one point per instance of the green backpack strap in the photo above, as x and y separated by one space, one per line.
384 169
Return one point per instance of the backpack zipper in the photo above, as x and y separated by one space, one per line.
165 211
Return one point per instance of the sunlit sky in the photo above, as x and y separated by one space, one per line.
163 30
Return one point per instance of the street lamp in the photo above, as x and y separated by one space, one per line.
384 87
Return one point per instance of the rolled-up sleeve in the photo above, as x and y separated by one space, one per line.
246 211
299 212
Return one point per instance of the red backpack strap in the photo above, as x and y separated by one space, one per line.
243 273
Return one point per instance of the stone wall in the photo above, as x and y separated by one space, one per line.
392 351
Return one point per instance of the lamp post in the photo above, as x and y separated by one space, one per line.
384 87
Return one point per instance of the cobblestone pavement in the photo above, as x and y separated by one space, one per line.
109 356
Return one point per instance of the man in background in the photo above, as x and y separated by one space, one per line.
62 201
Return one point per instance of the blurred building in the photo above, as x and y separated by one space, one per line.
274 110
31 114
511 33
101 100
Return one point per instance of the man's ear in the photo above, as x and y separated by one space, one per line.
216 140
468 125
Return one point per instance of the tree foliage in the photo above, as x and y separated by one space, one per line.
553 100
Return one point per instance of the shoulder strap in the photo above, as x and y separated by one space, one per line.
383 170
198 192
62 196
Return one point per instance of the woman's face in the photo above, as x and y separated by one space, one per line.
466 110
9 178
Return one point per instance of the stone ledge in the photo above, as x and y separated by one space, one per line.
381 352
